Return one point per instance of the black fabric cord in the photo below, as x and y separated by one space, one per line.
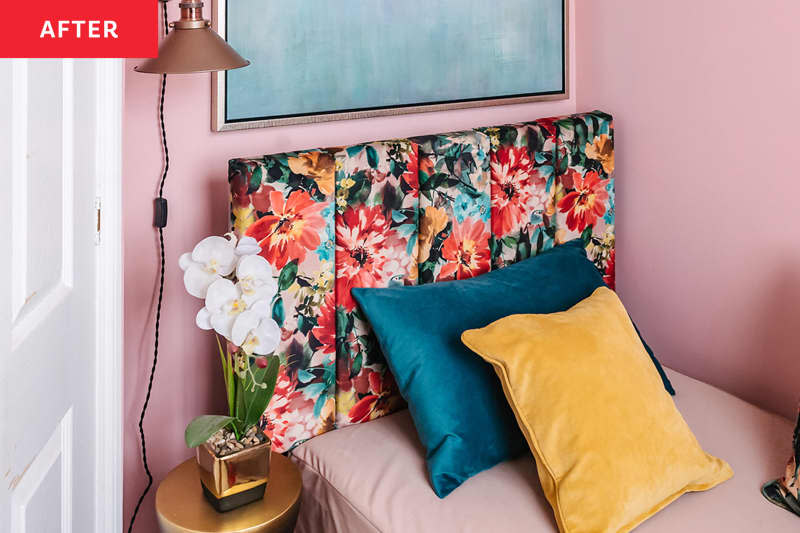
160 288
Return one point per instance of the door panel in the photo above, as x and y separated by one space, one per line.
42 499
42 202
47 290
43 510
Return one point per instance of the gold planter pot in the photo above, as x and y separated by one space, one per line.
236 479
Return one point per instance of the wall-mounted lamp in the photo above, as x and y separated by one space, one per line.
192 47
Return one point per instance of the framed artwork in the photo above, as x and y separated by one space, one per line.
320 60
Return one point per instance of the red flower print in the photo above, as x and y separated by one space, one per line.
411 175
363 408
290 230
609 275
548 124
378 391
325 330
260 198
586 202
514 181
239 187
366 251
466 250
289 414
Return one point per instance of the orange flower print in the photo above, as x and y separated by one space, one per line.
319 166
586 202
290 230
602 149
513 180
432 220
465 250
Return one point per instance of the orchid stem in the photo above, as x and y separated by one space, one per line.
225 359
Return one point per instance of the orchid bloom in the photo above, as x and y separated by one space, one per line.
247 246
247 325
255 281
212 258
247 301
239 310
256 334
224 303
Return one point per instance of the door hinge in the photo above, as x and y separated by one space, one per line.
98 207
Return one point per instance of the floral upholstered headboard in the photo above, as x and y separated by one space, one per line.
410 211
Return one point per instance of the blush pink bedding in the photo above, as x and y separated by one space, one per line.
371 477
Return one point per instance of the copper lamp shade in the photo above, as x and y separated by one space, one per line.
192 46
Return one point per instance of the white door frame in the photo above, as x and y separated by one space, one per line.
109 296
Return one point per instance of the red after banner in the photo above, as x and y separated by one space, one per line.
80 28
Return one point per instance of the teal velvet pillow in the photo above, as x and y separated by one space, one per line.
455 399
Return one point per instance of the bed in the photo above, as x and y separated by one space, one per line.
384 486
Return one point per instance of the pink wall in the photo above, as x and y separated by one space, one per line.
187 381
705 100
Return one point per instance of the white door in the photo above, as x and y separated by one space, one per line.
57 154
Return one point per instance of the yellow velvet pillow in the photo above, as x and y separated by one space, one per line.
611 448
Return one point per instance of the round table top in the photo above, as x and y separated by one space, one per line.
182 508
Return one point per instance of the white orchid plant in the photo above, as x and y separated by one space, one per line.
238 288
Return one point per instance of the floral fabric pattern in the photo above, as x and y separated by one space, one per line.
286 203
522 175
429 209
454 206
584 190
377 202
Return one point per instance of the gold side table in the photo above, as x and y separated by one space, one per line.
181 507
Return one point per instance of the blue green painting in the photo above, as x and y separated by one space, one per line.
313 57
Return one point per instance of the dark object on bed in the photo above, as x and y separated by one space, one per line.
783 491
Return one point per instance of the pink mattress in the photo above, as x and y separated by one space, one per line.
371 477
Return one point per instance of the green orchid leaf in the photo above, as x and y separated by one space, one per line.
239 397
256 395
226 375
231 387
201 428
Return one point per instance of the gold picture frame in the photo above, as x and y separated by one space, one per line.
219 121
